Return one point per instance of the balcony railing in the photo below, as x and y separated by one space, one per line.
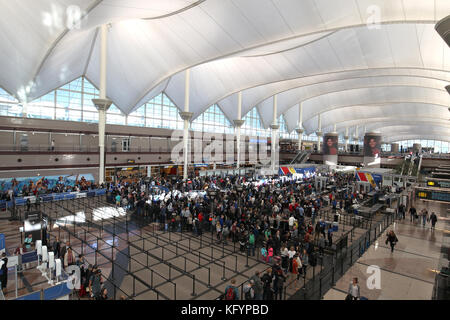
45 148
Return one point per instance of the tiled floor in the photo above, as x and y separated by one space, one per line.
406 274
157 260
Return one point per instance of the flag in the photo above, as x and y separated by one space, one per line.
362 176
370 179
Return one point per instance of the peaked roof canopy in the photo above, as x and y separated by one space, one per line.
356 62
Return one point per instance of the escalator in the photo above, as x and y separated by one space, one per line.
405 166
420 165
411 166
301 157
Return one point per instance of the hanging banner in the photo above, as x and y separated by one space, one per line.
330 144
372 145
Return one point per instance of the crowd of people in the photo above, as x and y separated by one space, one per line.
91 276
422 217
277 217
44 186
91 282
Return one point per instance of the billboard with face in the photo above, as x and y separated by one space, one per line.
330 145
372 146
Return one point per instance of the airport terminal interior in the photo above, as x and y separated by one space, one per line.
224 150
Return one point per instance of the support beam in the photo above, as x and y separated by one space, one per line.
237 130
102 104
25 109
274 141
186 116
299 129
346 137
319 124
356 136
319 132
103 58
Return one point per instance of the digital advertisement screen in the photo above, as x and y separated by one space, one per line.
372 146
433 195
330 145
438 183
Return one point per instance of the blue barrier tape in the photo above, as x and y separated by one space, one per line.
32 296
56 292
51 293
52 197
28 257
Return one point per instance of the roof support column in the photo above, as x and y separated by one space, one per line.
25 109
346 139
186 116
274 141
319 132
237 126
300 130
102 104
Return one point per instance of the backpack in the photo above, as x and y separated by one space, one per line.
251 239
230 294
263 252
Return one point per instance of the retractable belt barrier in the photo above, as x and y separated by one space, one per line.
53 197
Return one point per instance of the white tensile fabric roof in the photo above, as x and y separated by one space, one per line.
325 54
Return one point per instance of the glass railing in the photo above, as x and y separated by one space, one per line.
45 148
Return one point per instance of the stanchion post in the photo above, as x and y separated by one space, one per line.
209 277
193 286
223 272
223 249
320 288
174 291
96 250
246 262
332 277
151 279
